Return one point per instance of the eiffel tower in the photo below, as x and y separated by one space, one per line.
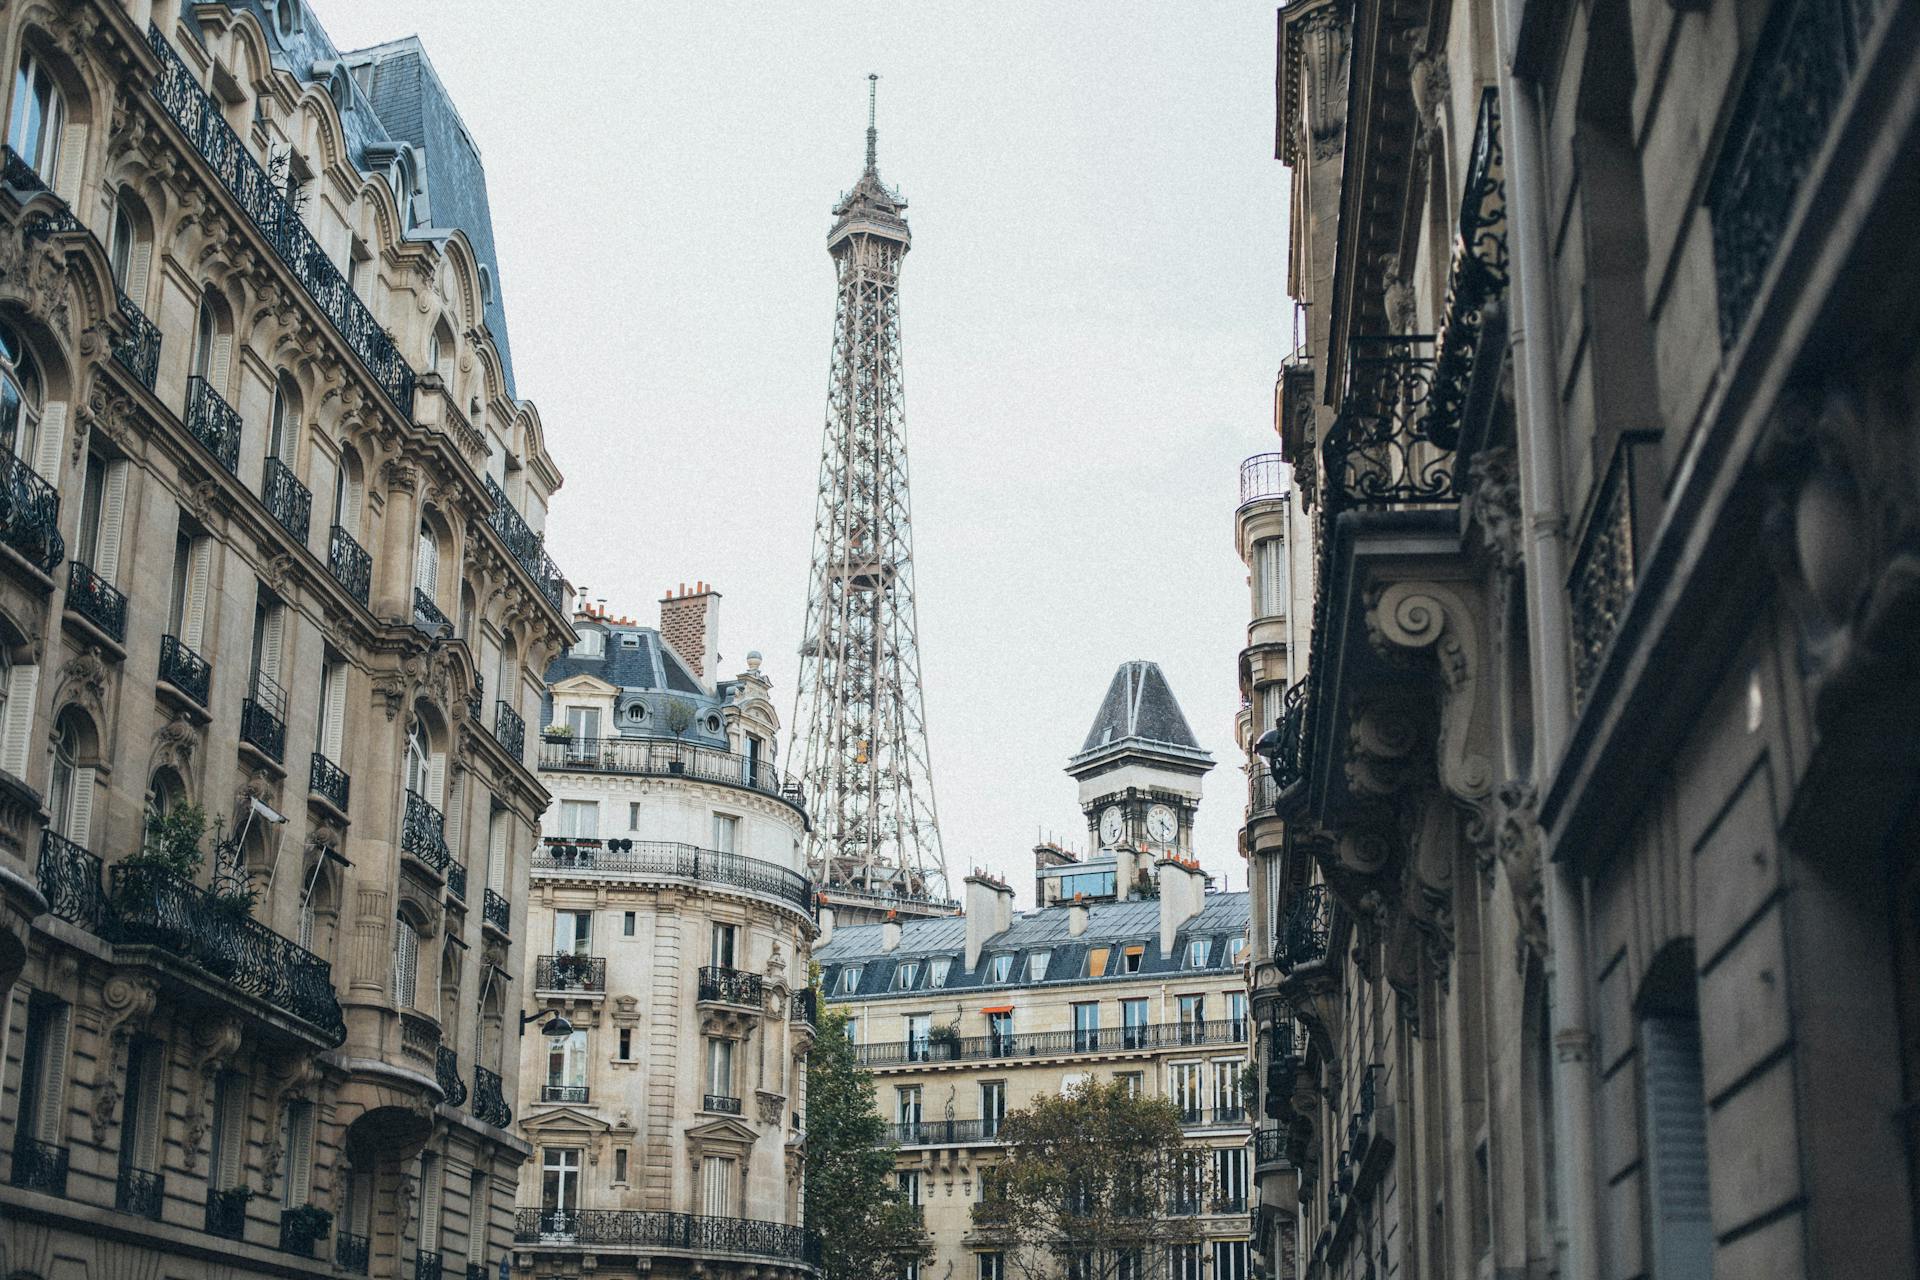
859 719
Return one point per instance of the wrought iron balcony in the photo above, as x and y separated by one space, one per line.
570 973
497 911
1262 477
457 879
288 501
1285 746
429 1265
527 548
1478 273
446 1073
806 1006
697 1234
349 564
351 1253
200 119
140 1191
214 423
1304 935
70 880
477 1271
509 730
185 670
1386 449
303 1227
730 986
489 1102
1049 1044
1269 1147
575 1093
423 832
263 718
39 1166
329 781
938 1133
30 514
724 1103
139 352
613 858
227 1211
1606 565
93 598
667 757
426 614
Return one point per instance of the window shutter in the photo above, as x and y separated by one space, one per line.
217 365
716 1189
406 963
426 568
113 510
150 1107
497 853
199 575
437 780
1680 1229
53 434
233 1131
73 160
270 641
336 713
299 1142
80 819
430 1176
22 684
53 1075
137 268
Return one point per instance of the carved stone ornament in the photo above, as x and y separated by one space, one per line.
33 273
1495 489
126 1004
773 1106
1323 40
210 1050
1440 619
83 679
1517 842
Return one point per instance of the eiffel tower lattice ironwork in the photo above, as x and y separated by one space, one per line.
859 718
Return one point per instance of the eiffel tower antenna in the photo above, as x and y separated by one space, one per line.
859 719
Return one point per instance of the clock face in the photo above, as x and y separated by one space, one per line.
1113 824
1161 824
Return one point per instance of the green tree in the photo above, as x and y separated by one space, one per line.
866 1232
1096 1184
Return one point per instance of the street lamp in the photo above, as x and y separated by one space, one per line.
559 1028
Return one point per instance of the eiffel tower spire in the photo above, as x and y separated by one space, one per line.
859 719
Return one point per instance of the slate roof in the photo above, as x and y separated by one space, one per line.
1139 705
645 671
1114 924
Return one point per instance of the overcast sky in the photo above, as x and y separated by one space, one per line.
1093 312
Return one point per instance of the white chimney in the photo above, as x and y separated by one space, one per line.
989 910
1183 891
1076 919
890 935
826 925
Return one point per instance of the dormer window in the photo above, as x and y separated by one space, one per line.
906 975
937 975
591 643
1037 966
1002 968
849 979
1197 953
1130 959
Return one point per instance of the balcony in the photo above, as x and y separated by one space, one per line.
139 352
1386 449
186 671
263 718
30 514
39 1166
1303 936
1606 563
227 1212
457 880
330 782
722 985
509 730
1284 748
805 1006
262 201
429 1265
70 880
649 858
140 1192
423 833
288 501
942 1133
527 548
570 973
1270 1148
96 602
497 911
668 758
427 615
349 564
214 423
564 1093
723 1103
303 1227
351 1253
446 1073
646 1230
1263 478
1052 1044
489 1103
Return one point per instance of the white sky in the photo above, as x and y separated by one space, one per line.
1093 311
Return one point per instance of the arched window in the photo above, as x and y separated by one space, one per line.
39 114
206 335
20 397
406 963
419 760
66 761
165 790
284 429
426 569
125 237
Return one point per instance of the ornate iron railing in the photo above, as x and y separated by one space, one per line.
200 119
497 911
349 564
570 973
1478 273
477 1271
1802 66
70 880
806 1002
1286 751
423 832
153 907
527 548
351 1253
227 1211
509 730
93 598
647 1228
731 986
489 1102
1385 448
288 501
683 861
302 1227
457 879
937 1133
1305 933
667 757
184 669
1263 476
263 718
724 1103
140 1191
446 1072
214 423
39 1166
30 514
428 1265
426 613
329 781
139 352
1269 1146
1034 1044
563 1093
1605 569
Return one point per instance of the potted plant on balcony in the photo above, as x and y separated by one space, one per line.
557 733
172 841
947 1039
678 714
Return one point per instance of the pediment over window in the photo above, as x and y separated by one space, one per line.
563 1123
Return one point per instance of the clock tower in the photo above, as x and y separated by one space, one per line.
1139 770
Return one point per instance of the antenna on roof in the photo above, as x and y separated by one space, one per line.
873 134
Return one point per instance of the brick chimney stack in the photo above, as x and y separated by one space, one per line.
690 624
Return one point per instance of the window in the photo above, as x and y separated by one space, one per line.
1230 1179
633 815
1270 581
849 979
1185 1087
1130 959
228 1165
1226 1089
919 1037
585 723
20 398
1130 1264
212 348
1037 966
591 644
1000 1029
1086 884
1229 1260
429 1225
619 1164
906 975
1193 1016
142 1115
269 630
419 761
724 944
297 1141
1197 953
937 971
906 1104
1133 1023
580 818
39 116
1237 1013
726 832
720 1068
1674 1124
716 1186
70 788
573 933
993 1105
283 428
567 1060
1097 962
1135 1082
992 1266
626 1044
406 963
1236 948
43 1076
560 1178
1086 1027
426 565
853 1031
1001 968
333 708
128 253
629 924
909 1186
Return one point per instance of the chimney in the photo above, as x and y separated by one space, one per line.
890 933
1128 863
825 921
1076 918
1183 890
690 624
988 907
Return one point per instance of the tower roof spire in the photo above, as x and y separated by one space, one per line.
873 134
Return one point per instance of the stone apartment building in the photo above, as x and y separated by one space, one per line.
672 923
1584 854
1129 969
270 550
